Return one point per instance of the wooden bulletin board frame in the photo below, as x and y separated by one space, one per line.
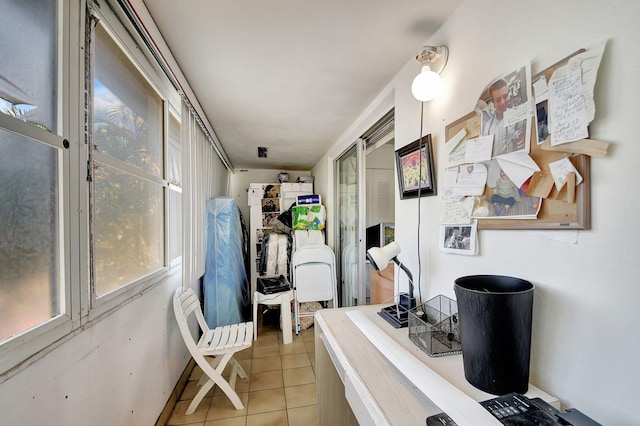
554 213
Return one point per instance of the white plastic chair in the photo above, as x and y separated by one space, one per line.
314 278
220 343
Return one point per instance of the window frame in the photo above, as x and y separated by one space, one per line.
79 307
28 343
132 47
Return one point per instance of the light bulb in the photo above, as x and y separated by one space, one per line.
426 85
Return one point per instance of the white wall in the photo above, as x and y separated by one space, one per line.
586 344
119 372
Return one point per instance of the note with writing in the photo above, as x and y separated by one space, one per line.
470 180
456 148
589 62
559 169
457 212
478 149
449 183
567 109
517 114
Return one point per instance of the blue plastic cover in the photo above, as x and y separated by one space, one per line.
225 278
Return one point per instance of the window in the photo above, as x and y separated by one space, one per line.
128 169
31 232
90 172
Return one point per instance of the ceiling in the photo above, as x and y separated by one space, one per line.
291 75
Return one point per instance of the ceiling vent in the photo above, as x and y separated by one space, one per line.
262 152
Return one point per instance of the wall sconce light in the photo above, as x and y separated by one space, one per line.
427 84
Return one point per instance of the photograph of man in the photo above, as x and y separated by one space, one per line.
502 94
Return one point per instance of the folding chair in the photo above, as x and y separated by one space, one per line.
314 278
220 343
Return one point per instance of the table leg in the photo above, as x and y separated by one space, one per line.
255 316
285 319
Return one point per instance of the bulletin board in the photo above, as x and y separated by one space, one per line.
556 212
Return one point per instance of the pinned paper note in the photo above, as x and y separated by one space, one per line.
559 170
456 148
540 89
470 180
567 108
589 62
457 212
479 149
519 166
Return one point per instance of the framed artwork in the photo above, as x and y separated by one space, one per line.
415 169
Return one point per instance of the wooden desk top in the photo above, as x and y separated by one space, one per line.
398 399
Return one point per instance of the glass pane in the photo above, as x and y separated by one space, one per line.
29 235
175 156
127 112
175 194
128 228
175 224
348 217
28 80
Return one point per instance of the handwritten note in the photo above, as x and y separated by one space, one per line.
471 180
479 149
456 148
457 212
567 109
589 62
517 114
449 184
559 170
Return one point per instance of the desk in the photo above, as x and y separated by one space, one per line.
284 300
357 384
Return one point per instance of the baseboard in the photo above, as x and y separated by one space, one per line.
175 395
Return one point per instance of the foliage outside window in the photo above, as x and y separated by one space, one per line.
128 190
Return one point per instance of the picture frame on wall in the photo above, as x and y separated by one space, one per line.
414 163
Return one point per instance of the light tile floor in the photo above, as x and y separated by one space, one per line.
280 388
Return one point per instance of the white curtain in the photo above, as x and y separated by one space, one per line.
204 176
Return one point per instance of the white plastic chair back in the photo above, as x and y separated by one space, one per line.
314 277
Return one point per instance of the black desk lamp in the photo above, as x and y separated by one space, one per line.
396 315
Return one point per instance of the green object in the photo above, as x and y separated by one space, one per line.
309 217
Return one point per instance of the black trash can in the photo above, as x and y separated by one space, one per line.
495 314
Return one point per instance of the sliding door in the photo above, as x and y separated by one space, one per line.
350 208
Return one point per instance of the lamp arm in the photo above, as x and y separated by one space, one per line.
406 271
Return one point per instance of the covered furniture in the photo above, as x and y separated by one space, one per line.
214 350
226 288
314 278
